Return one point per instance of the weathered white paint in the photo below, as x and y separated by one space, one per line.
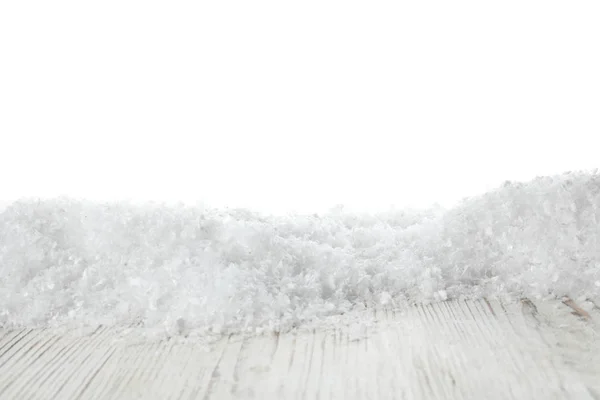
451 350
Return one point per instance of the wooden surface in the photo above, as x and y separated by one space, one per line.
451 350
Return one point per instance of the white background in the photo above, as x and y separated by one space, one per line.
281 106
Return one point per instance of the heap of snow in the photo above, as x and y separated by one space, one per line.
66 261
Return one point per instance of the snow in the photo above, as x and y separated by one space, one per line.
176 268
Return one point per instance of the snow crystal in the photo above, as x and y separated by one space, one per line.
177 269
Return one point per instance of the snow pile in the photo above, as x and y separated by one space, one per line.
535 239
175 268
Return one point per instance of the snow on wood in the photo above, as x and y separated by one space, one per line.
449 350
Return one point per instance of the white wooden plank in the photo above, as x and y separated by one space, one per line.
576 340
258 362
225 373
450 350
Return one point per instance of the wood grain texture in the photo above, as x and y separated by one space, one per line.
450 350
